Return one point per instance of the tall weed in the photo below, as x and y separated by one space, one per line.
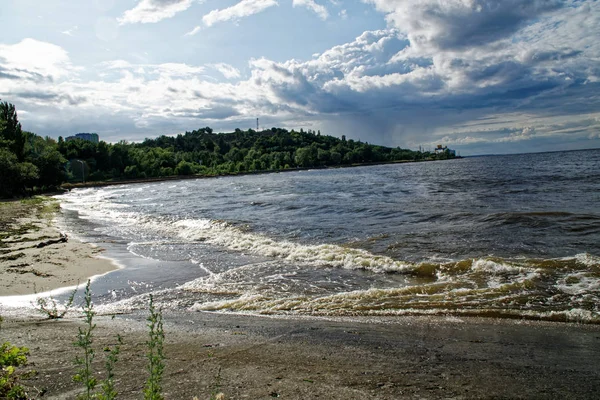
156 365
85 339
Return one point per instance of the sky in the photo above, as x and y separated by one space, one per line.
479 76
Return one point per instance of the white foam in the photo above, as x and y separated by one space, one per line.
588 260
325 255
492 267
234 281
579 283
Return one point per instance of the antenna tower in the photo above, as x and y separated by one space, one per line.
256 124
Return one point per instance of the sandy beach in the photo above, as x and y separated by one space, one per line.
262 358
33 256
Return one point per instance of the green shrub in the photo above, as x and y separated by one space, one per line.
10 358
9 388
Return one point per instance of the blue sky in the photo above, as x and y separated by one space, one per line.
480 76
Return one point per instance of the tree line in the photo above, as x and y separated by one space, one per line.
31 163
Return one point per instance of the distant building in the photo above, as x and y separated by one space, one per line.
90 137
442 149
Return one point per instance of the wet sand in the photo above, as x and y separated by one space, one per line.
262 358
26 268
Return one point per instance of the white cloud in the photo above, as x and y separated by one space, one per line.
170 70
70 32
117 64
173 70
194 31
459 140
528 131
150 11
506 129
244 8
32 59
227 70
318 9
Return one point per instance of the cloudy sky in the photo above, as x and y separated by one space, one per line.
481 76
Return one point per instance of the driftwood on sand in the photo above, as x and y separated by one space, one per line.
63 239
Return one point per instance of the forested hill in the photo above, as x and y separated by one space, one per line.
39 163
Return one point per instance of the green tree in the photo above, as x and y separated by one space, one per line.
44 154
323 156
184 168
11 130
305 157
16 176
336 158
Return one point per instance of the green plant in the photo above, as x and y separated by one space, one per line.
49 307
9 388
85 339
155 354
85 373
108 390
11 357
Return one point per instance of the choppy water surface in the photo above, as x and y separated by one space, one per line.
508 236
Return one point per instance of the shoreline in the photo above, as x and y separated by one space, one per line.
69 186
36 257
251 357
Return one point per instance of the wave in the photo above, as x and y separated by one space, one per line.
556 290
335 279
241 239
325 255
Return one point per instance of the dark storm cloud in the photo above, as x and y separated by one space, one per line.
458 24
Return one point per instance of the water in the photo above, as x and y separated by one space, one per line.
508 236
